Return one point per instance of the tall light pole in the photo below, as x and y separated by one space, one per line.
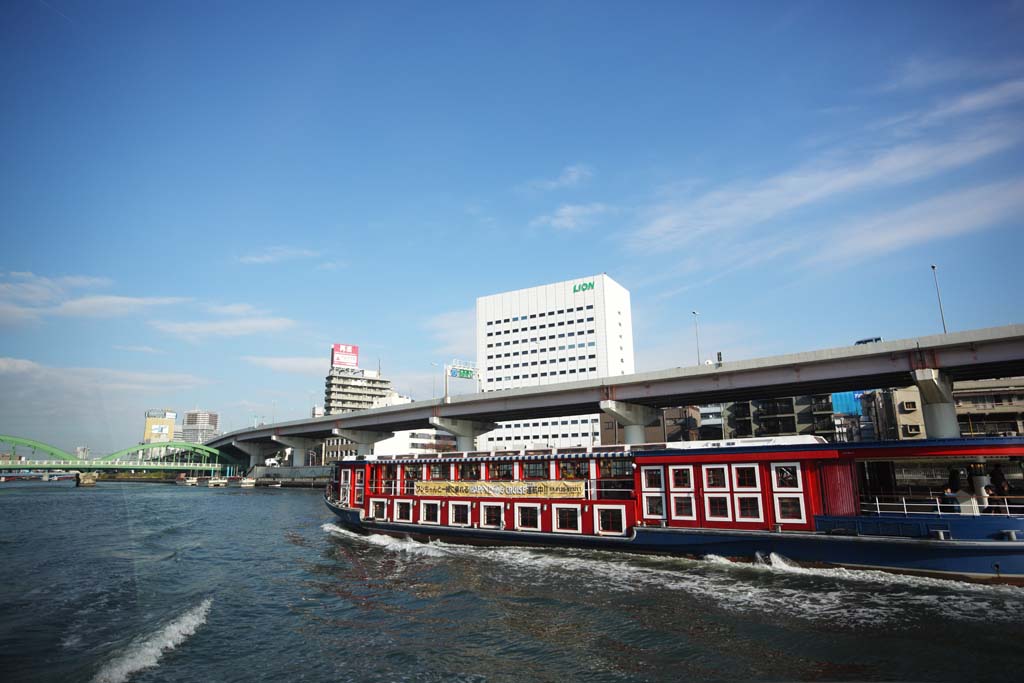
696 333
939 297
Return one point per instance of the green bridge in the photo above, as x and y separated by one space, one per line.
199 457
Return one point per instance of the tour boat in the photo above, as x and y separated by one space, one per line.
216 482
247 482
184 480
860 505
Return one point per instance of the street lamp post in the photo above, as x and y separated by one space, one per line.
696 333
939 297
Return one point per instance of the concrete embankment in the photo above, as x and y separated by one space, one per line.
291 477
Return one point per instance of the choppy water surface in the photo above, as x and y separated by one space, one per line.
147 582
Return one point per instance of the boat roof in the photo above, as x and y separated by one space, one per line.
975 447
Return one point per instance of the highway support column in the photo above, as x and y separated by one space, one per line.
465 431
300 447
254 451
362 438
937 404
633 418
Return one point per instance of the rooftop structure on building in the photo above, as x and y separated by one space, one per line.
348 387
199 426
159 426
561 332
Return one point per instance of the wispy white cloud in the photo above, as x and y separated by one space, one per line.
919 73
315 367
70 406
675 224
110 306
332 265
454 333
571 176
278 254
234 327
137 349
572 216
234 309
31 289
942 217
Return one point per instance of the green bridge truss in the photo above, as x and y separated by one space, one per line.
203 452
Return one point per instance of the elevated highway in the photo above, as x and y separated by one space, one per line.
933 363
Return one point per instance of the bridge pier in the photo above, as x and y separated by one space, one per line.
255 452
937 404
633 417
85 478
300 447
465 431
362 438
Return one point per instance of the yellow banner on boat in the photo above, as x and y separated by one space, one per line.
501 489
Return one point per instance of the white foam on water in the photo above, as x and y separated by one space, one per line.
145 653
860 597
403 545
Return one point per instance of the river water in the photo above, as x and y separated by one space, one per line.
150 582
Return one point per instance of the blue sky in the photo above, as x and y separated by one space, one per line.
197 199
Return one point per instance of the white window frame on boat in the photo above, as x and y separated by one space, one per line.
374 502
458 504
704 469
597 520
643 477
423 507
671 477
520 506
803 508
483 516
394 513
654 494
799 477
735 478
693 506
360 480
554 519
728 507
736 507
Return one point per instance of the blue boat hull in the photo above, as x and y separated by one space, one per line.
983 559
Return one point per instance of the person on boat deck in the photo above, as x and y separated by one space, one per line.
998 479
950 504
993 507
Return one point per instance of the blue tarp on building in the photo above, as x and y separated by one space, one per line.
847 402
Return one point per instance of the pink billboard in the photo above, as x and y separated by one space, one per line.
344 356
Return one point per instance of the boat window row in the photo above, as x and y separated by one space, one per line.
576 518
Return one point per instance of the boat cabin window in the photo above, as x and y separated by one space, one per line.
610 520
430 512
745 477
469 471
379 509
574 469
439 471
527 517
490 515
652 478
789 509
500 471
786 476
717 509
682 506
681 478
403 511
748 508
390 479
654 505
413 473
715 477
617 468
458 514
535 470
567 518
360 474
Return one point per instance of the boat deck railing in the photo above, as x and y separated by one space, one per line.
1005 506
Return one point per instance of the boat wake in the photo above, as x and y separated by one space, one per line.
146 652
772 585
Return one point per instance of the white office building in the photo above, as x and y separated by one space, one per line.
572 330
